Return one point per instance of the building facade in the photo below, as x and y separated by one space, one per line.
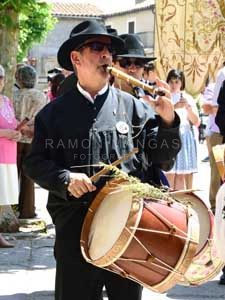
138 19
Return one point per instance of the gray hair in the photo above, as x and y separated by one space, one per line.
26 76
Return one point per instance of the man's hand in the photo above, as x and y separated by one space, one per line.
11 134
27 130
208 108
163 106
80 184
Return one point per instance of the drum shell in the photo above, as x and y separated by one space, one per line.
157 245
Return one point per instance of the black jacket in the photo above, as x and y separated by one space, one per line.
220 116
72 134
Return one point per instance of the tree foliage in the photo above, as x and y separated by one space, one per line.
34 28
35 20
22 23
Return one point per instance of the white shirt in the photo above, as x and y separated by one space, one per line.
219 80
88 96
182 112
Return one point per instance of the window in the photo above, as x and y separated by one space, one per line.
131 27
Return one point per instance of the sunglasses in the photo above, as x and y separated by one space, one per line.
98 47
127 62
1 77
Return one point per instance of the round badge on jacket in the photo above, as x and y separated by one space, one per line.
122 127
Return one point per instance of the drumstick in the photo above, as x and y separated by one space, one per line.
104 171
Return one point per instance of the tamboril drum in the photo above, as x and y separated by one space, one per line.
150 240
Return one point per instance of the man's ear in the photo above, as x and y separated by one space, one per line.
74 56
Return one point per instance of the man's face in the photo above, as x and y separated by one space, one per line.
132 66
152 76
92 58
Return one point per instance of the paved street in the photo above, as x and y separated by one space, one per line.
27 271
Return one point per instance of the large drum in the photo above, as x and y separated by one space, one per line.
206 263
151 241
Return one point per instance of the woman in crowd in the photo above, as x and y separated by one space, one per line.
8 141
55 84
181 175
27 103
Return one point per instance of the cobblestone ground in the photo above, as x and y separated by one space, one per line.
27 271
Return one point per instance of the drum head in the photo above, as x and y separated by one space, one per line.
108 223
204 221
202 212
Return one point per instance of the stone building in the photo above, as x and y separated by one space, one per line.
137 19
68 15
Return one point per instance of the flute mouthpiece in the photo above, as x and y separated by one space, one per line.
108 68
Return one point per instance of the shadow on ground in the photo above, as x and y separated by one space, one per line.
40 295
209 290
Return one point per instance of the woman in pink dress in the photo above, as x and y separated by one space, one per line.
8 141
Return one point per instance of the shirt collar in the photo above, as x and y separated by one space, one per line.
88 96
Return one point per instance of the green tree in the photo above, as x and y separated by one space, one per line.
22 23
34 27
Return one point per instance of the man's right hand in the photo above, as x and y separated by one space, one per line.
80 184
207 108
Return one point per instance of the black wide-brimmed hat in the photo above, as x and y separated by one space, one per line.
111 30
81 33
133 48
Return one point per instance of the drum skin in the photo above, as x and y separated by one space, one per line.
206 219
156 246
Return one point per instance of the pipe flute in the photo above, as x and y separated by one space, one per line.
135 82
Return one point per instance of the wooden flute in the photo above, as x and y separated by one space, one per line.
135 82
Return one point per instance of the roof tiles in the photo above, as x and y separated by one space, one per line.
75 9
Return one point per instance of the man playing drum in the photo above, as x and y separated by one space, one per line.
93 123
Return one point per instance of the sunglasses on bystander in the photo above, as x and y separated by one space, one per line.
127 62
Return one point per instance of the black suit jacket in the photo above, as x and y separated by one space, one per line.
72 135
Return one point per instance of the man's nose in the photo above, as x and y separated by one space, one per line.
105 52
132 68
